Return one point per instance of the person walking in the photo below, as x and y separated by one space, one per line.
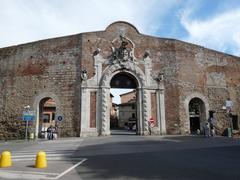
207 129
50 131
212 122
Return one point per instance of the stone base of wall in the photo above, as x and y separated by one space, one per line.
12 129
89 133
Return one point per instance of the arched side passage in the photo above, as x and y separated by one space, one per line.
186 105
143 111
37 110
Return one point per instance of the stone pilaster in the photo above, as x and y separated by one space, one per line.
105 112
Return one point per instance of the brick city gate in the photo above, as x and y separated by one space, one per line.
95 92
76 73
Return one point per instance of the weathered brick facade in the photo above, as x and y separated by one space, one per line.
53 68
126 97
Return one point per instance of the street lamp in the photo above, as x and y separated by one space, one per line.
229 106
27 107
160 98
25 117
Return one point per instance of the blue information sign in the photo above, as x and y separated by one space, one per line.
59 118
28 117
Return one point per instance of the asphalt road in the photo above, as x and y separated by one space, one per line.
128 156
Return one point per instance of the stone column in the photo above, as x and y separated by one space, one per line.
161 109
105 111
85 106
145 113
139 112
37 122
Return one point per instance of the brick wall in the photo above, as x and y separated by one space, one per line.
54 65
128 96
31 69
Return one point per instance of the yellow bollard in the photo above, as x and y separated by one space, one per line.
41 160
31 136
5 160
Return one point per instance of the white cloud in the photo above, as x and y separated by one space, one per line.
221 32
26 21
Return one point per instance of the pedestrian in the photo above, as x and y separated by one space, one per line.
50 131
198 132
229 105
207 129
126 126
212 122
212 129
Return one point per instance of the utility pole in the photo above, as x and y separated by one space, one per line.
26 118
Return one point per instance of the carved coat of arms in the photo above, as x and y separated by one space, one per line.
124 53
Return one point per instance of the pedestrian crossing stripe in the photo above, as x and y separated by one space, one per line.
51 155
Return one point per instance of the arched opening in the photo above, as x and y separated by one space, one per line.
123 111
197 113
47 116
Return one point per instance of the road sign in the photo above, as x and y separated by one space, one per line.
151 122
59 118
28 115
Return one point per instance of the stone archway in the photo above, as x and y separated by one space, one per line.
196 115
203 106
95 91
143 111
124 113
36 105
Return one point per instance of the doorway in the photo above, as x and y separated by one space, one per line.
196 115
47 116
235 122
123 104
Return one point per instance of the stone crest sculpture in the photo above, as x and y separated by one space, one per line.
124 53
84 75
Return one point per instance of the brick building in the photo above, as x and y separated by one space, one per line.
170 77
127 109
126 97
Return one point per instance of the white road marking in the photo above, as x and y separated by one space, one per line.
23 175
49 159
31 175
68 170
34 155
6 175
61 141
47 151
171 140
30 172
157 138
50 155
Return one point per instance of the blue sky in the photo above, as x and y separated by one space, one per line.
214 24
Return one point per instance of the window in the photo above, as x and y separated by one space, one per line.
46 118
53 116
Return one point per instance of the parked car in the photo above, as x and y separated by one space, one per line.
132 123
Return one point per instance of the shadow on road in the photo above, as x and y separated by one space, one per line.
160 159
